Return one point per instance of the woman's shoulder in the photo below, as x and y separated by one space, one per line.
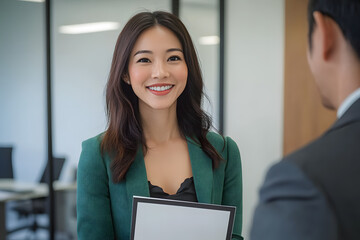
91 146
221 142
215 139
218 139
93 142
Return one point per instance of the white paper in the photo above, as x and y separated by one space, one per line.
164 222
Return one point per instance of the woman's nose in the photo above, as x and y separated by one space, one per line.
160 71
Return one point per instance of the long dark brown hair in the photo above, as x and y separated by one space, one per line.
124 134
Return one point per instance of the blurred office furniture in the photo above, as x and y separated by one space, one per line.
58 164
37 206
6 168
66 220
12 191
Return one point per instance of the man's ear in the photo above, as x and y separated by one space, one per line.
326 34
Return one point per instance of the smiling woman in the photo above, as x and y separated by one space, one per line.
157 133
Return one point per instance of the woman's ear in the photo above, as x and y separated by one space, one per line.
126 78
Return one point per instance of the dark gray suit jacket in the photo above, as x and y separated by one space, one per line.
314 193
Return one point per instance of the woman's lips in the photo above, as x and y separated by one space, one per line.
160 89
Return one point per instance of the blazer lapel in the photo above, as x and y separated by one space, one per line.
136 178
202 171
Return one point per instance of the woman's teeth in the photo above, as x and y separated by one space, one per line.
162 88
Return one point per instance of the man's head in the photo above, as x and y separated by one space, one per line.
334 42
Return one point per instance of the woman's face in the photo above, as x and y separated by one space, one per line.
157 69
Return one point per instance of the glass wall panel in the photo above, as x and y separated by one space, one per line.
201 17
22 86
22 105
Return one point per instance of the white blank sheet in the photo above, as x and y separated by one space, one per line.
171 221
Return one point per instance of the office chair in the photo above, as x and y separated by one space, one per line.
6 167
37 206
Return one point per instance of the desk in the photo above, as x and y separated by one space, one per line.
11 190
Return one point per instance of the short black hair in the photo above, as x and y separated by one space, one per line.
346 13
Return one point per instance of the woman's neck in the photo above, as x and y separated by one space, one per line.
159 126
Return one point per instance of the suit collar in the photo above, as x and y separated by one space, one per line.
347 102
137 182
351 115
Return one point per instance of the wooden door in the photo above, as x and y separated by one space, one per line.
304 116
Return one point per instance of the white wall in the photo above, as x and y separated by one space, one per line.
254 89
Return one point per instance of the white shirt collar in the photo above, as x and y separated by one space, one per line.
349 100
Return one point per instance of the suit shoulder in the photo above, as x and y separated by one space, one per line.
333 144
285 179
308 153
290 206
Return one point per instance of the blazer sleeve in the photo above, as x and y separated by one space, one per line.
291 207
94 218
232 191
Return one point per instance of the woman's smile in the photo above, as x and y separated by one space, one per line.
160 89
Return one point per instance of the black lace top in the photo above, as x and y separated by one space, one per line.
186 192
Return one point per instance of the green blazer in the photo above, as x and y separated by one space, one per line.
104 208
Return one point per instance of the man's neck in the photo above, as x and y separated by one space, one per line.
347 78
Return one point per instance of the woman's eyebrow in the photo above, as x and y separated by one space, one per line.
143 51
150 52
174 49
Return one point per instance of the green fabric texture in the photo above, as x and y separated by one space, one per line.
104 208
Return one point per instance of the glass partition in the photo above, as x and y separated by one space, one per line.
22 105
201 17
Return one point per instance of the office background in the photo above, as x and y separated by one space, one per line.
254 78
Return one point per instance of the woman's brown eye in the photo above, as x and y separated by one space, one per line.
143 60
174 58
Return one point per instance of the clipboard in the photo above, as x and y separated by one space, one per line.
163 219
